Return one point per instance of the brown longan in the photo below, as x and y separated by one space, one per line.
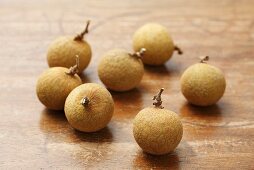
54 85
120 70
157 130
89 107
62 51
158 43
203 84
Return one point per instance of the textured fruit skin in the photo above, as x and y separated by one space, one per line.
119 71
63 50
96 115
157 42
54 85
157 131
203 84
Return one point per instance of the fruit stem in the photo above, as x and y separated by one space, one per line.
85 101
80 36
158 101
74 69
204 59
179 51
140 53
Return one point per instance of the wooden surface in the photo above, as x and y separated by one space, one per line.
216 137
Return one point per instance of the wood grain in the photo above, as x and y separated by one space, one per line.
216 137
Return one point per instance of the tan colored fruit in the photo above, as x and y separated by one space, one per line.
157 130
62 51
55 84
89 107
203 84
157 41
121 71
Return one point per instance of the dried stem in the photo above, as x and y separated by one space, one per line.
158 101
80 36
74 69
139 54
204 59
179 51
85 101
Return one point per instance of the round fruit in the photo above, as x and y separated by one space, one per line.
89 107
157 41
55 84
157 130
62 51
203 84
121 71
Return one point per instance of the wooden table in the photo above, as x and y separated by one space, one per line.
216 137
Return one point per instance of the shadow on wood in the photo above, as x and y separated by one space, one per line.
213 111
101 136
144 160
157 70
55 125
127 104
210 116
53 121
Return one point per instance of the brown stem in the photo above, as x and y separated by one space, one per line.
204 59
74 69
80 36
158 101
85 101
179 51
139 54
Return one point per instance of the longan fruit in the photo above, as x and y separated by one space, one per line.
203 84
62 51
55 84
157 130
120 70
157 41
89 107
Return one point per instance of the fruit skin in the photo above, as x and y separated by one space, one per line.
157 131
156 40
54 85
203 84
63 50
120 71
98 112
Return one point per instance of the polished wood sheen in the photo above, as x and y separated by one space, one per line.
215 137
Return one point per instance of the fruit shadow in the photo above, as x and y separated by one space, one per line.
104 135
210 117
202 122
56 127
53 121
165 69
61 141
133 96
147 161
213 111
85 78
127 104
156 77
157 70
